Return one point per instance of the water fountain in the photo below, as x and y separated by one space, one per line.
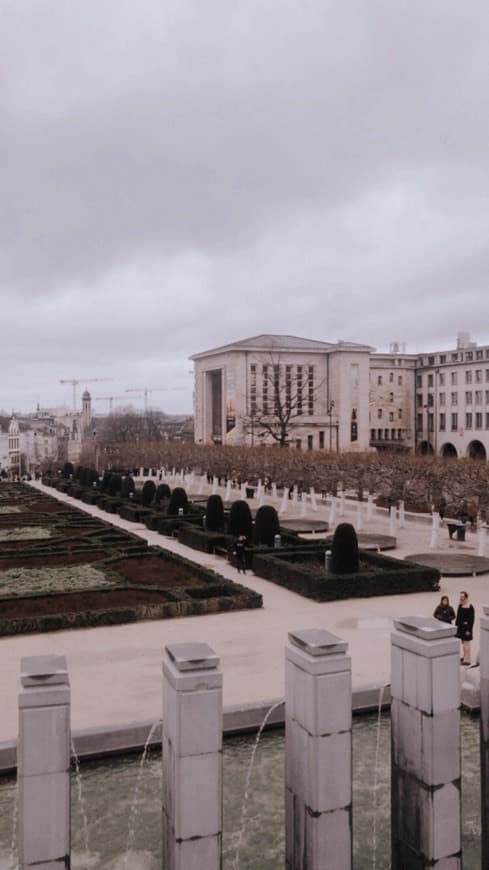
425 692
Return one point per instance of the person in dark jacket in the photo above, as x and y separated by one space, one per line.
239 551
444 612
465 625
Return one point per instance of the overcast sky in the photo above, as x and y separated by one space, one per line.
176 174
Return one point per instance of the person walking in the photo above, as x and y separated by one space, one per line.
465 624
444 612
239 551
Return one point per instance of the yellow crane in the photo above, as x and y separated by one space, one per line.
75 381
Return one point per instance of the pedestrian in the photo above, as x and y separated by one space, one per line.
465 625
239 551
444 612
442 507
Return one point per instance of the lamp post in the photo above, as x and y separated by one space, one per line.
329 411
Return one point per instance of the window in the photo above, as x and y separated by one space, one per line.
299 390
265 389
253 390
379 434
453 378
431 360
478 354
487 397
391 377
276 389
478 397
310 442
379 413
399 380
469 356
391 397
443 422
443 358
419 422
298 444
468 377
379 380
321 439
478 420
468 397
399 414
454 422
372 434
487 420
430 400
419 400
386 434
391 416
430 380
454 357
478 376
441 398
453 398
442 379
468 420
310 390
487 376
419 380
430 422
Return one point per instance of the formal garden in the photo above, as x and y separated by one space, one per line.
61 568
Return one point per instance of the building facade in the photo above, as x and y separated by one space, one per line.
344 396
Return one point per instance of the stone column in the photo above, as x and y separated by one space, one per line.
435 525
484 726
43 759
392 521
370 508
284 502
318 794
192 758
425 742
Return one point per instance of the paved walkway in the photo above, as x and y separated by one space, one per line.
115 671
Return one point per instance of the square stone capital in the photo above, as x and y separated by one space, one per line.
318 665
430 649
191 681
50 670
317 642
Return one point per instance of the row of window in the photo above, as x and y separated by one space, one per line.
292 394
386 434
476 397
478 420
455 356
476 376
391 379
391 414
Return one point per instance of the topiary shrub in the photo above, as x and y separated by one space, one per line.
92 477
67 470
148 493
267 525
105 481
178 500
214 517
115 483
344 551
240 521
163 492
127 487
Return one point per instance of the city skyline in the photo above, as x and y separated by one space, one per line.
312 169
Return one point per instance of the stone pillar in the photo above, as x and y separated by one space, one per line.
482 540
435 525
192 758
484 726
43 758
227 494
392 521
284 502
359 521
402 515
425 742
370 508
318 794
332 513
314 503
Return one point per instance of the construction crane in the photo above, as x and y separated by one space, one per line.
108 399
75 381
145 391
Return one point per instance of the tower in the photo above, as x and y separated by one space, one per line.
86 410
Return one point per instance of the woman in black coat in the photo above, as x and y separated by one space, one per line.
444 612
465 625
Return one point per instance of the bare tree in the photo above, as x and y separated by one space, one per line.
280 397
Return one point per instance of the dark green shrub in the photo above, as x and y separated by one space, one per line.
267 525
127 487
92 477
115 484
178 500
240 521
105 481
148 493
214 517
68 470
344 551
163 492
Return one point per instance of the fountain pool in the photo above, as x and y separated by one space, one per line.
108 790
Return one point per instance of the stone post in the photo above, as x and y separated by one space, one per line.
314 503
392 521
192 758
484 726
425 745
284 502
274 491
359 522
402 514
43 758
332 513
227 494
370 508
318 776
435 525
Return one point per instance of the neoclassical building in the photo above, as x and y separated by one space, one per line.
316 392
344 396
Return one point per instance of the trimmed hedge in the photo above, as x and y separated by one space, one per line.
302 571
203 540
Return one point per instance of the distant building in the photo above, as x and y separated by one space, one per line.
243 391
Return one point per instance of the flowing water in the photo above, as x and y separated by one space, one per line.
108 789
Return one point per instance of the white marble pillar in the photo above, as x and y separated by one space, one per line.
192 758
435 525
402 515
318 794
359 520
274 491
332 513
314 502
227 494
425 742
43 757
341 510
392 521
484 737
370 508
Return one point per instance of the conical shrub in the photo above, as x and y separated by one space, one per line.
240 520
267 525
214 517
178 500
344 551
